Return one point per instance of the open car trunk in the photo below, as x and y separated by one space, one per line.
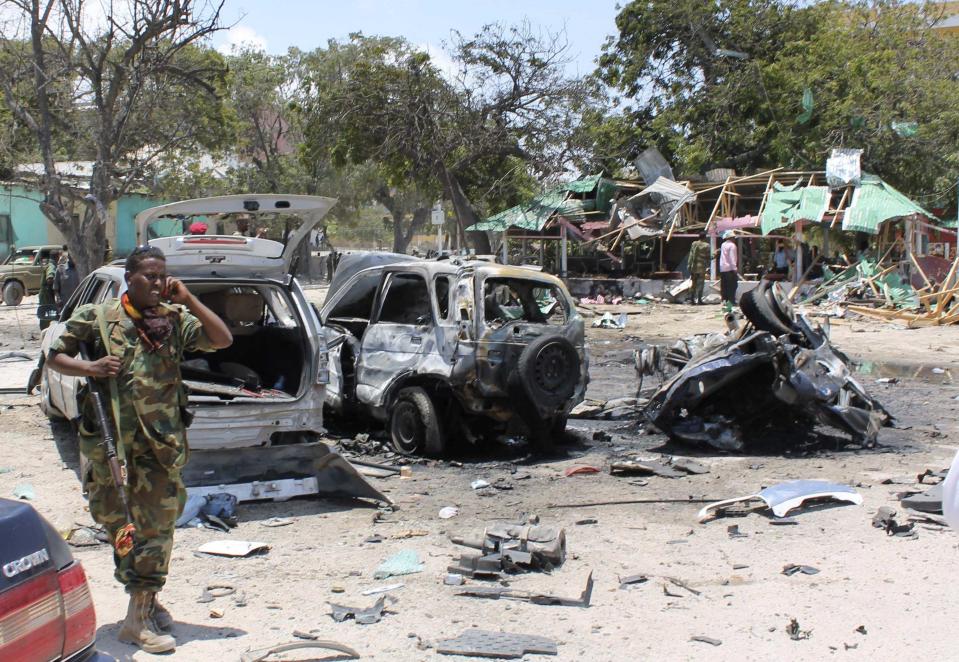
269 359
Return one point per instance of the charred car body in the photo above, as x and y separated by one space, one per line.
459 346
776 369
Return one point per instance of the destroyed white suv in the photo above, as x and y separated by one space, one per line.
258 404
457 348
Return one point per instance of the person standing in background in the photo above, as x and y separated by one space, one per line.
697 262
728 270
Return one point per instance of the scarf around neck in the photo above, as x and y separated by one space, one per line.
153 325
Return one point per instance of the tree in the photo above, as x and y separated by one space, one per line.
141 87
388 104
729 83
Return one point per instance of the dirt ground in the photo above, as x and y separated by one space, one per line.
897 589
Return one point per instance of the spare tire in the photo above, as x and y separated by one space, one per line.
757 309
548 370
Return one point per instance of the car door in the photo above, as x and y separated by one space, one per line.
64 389
400 334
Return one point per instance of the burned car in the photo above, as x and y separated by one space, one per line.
464 347
775 370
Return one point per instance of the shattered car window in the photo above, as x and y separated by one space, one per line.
278 311
406 300
357 299
510 299
442 285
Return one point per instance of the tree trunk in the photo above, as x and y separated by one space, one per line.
465 214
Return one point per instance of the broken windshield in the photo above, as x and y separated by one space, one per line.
515 299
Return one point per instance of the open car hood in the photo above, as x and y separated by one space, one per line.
224 254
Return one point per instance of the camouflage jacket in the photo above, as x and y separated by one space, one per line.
698 257
149 394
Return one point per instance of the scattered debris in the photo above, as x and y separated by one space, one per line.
479 484
261 654
734 532
496 593
719 392
795 633
784 521
507 547
581 470
793 568
585 521
607 321
643 468
929 501
366 616
24 491
706 640
86 536
233 548
503 645
405 562
885 519
213 511
449 512
454 579
216 613
683 585
382 589
861 629
626 582
277 521
785 497
213 591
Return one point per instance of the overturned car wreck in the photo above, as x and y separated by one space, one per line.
775 370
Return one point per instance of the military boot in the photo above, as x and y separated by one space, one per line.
139 628
161 616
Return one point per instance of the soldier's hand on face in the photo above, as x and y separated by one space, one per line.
108 366
176 291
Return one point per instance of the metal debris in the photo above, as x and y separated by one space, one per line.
794 568
362 616
503 645
496 593
785 497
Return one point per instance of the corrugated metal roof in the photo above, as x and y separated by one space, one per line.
787 204
874 202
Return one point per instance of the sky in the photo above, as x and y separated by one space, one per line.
275 25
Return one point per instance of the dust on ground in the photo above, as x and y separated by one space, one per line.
898 589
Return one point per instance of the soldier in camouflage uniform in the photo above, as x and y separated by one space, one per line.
136 344
698 261
47 297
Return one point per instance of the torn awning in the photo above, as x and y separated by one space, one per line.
786 205
532 216
874 202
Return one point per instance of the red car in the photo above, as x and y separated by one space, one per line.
46 611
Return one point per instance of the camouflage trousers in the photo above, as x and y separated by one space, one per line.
156 496
696 289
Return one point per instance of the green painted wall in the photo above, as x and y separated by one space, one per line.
30 226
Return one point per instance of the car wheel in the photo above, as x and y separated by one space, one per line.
46 406
13 293
757 309
549 370
414 423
